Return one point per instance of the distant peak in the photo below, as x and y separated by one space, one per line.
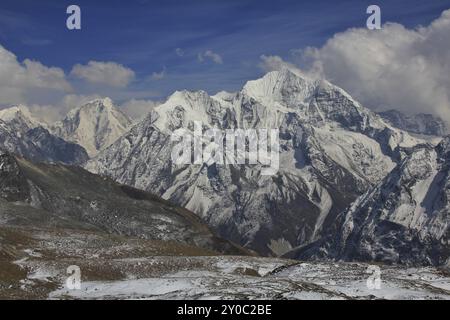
19 113
286 72
282 85
107 102
225 95
180 97
20 108
92 105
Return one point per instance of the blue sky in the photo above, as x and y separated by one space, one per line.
143 35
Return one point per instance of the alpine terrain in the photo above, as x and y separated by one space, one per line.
349 187
332 150
404 219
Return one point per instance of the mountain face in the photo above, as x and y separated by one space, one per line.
331 151
420 123
56 149
58 196
12 141
405 219
94 126
21 134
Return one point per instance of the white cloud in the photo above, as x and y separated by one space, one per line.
19 79
106 73
159 75
208 54
46 113
179 52
395 67
275 63
137 109
49 96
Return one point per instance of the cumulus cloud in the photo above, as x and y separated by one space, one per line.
208 54
17 79
104 73
395 67
137 109
47 93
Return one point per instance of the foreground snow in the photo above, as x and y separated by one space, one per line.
263 278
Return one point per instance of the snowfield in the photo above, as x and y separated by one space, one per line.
263 278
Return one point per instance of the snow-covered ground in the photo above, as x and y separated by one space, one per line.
265 278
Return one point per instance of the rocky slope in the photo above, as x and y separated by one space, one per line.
58 196
405 219
332 150
55 149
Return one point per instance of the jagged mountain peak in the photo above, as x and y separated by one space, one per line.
94 125
96 107
182 108
281 86
16 109
263 102
315 100
188 97
290 87
20 118
13 111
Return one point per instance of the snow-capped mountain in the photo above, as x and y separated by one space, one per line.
94 126
404 219
420 123
25 136
19 118
332 150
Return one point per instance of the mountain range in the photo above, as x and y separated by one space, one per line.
332 151
352 184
